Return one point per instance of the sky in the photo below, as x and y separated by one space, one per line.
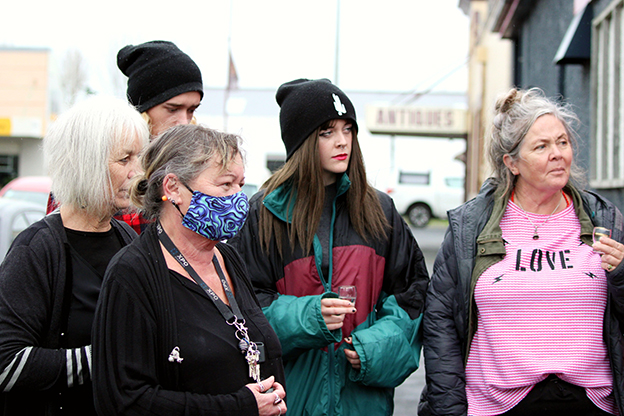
389 45
402 46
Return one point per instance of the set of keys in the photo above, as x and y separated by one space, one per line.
253 360
249 349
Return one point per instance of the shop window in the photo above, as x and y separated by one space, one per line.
607 159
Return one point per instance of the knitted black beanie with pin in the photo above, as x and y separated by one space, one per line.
157 71
307 104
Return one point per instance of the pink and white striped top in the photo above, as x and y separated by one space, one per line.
540 312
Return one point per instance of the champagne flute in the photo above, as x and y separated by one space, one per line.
348 293
600 232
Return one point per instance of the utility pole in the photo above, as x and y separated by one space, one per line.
337 60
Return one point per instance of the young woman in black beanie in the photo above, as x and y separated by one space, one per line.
317 225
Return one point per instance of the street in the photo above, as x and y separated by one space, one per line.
407 395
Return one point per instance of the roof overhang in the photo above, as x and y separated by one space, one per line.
575 47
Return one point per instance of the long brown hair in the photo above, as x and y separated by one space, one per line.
303 173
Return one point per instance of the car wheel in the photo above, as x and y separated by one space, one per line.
419 215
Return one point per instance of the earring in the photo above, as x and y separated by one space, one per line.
164 198
173 202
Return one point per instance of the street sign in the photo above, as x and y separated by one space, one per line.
416 121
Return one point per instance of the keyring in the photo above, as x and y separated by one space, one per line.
277 400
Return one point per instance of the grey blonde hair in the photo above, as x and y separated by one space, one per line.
514 114
184 151
79 147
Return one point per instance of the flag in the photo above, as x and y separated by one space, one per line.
232 76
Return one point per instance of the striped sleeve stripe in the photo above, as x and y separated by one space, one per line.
78 355
78 365
70 367
15 367
88 351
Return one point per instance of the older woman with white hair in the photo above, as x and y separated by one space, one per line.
51 277
524 310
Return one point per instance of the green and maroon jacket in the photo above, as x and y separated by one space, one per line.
391 279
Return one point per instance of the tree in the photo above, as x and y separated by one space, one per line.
73 76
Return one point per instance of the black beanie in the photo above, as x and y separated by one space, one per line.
157 71
307 104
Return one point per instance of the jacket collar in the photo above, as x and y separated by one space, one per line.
281 201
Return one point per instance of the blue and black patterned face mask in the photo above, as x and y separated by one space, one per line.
216 217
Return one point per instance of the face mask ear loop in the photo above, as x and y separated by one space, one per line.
176 205
187 187
178 208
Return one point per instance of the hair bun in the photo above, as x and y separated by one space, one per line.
506 102
142 186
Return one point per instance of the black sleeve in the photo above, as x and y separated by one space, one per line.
29 276
444 365
615 278
405 274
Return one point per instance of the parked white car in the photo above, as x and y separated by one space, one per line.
424 195
15 217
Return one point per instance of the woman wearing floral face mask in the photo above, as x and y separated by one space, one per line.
178 329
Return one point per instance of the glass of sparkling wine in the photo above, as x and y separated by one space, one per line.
348 293
601 232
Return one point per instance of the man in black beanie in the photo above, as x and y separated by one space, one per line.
164 83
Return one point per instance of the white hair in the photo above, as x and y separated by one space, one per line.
79 146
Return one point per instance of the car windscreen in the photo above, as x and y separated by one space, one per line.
39 198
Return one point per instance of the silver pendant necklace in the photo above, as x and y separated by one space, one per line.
535 227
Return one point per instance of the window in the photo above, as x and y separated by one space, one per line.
8 164
275 162
454 182
607 159
413 178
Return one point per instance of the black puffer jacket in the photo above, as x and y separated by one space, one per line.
473 242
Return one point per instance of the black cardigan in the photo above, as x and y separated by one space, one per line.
35 296
135 330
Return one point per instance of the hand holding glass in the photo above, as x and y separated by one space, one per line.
601 232
348 293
